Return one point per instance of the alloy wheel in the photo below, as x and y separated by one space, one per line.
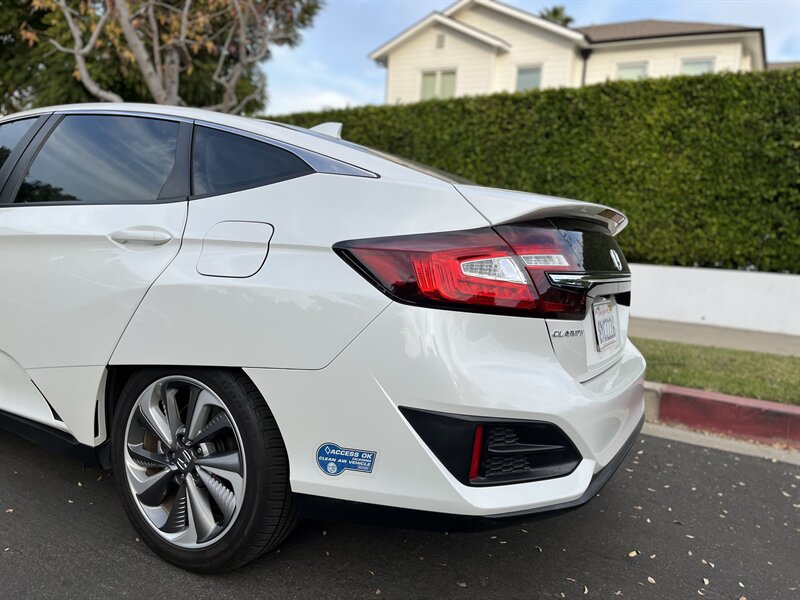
184 462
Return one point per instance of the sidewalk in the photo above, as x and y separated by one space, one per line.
706 335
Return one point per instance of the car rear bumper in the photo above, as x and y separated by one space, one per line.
330 509
456 363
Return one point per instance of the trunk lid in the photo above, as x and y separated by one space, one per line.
507 206
589 344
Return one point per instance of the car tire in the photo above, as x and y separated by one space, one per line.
209 519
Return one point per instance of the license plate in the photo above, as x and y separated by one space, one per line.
606 326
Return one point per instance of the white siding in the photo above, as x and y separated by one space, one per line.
663 59
530 46
472 61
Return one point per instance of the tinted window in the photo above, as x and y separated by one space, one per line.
11 134
105 159
224 162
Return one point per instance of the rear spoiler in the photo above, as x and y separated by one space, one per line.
501 207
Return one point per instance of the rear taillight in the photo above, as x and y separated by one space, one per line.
545 250
502 270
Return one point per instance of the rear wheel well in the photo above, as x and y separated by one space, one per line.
118 376
116 379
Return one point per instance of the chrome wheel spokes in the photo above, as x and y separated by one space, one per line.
184 461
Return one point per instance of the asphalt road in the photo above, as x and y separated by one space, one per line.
677 521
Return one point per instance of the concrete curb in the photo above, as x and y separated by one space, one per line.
745 418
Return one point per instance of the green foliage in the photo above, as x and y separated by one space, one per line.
736 372
557 14
707 168
25 67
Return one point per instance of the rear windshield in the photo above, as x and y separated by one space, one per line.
405 162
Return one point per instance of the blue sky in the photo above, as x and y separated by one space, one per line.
330 68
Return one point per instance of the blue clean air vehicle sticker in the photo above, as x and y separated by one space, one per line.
335 460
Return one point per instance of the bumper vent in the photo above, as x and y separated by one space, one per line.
525 451
510 451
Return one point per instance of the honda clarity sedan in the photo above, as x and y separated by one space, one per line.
251 323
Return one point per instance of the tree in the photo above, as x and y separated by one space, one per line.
183 52
36 74
557 14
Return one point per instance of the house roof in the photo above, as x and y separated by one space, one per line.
652 28
777 66
519 14
380 54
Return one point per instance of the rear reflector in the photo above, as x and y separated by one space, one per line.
477 447
502 270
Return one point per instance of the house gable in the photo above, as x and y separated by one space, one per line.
531 46
471 60
454 10
437 19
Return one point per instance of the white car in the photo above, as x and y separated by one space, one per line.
251 323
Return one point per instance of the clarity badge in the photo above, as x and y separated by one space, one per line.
335 460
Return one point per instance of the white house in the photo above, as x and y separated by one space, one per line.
485 46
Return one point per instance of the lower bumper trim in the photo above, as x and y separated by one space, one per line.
331 509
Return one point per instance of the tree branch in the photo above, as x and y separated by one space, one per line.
137 47
154 39
79 51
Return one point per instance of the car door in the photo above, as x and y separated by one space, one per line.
91 214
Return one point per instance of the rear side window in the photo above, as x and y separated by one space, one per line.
224 162
102 159
11 134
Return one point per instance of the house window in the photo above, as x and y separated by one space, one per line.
697 66
529 78
632 71
438 84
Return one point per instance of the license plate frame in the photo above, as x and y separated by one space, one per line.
606 324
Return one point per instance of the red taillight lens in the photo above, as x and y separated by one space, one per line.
456 269
487 270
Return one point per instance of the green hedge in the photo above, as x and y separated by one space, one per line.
706 168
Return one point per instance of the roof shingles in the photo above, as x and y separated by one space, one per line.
652 28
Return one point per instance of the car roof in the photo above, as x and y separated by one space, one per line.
321 144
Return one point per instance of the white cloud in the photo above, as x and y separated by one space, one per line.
299 81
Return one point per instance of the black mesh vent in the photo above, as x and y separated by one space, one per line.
512 451
517 451
502 435
505 465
